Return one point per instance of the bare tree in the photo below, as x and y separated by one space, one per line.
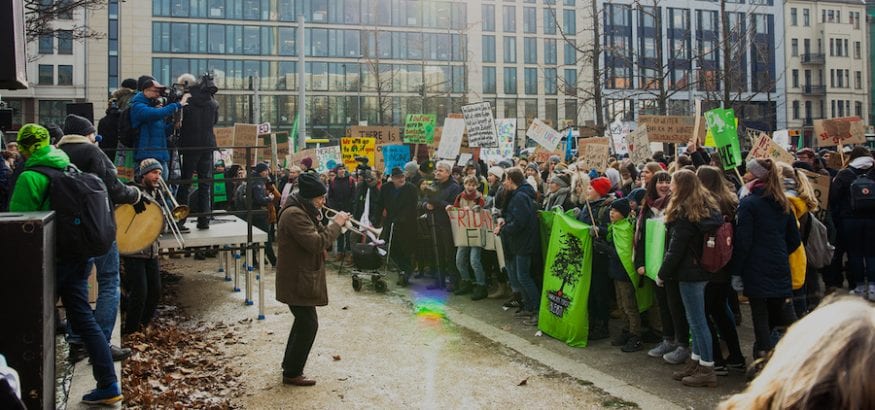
380 76
39 18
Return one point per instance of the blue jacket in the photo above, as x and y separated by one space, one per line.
520 232
153 128
763 235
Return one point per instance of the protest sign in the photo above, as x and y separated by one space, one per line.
125 165
839 131
594 156
383 135
470 228
352 147
328 158
782 138
764 147
639 146
295 159
480 125
673 129
464 158
541 155
564 314
544 135
263 128
618 131
820 184
224 136
245 135
592 140
506 134
390 156
697 124
721 123
654 247
451 138
419 128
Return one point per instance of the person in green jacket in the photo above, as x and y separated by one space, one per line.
31 193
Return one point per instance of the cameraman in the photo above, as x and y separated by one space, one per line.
198 141
148 114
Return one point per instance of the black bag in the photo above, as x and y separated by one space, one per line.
365 256
863 194
127 134
84 214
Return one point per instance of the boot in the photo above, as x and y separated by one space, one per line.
704 376
479 292
498 293
689 369
464 288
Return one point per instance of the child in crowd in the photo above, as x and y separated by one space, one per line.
470 200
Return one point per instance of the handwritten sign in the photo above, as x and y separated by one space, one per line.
639 145
328 158
352 147
820 184
224 136
673 129
721 122
419 128
383 135
451 138
506 133
470 228
391 156
839 131
764 147
782 138
480 125
618 131
544 135
245 135
594 156
264 128
464 157
541 155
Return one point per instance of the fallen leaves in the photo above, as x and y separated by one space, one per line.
524 382
336 357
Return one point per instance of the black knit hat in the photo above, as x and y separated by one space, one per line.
309 186
622 206
77 125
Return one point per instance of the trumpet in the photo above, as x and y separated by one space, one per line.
354 225
171 215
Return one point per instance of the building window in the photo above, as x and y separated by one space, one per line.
796 110
52 112
794 18
46 74
795 78
488 80
549 51
570 52
794 47
531 81
530 20
510 49
569 81
509 20
65 42
510 80
549 21
488 49
858 109
806 18
66 9
858 80
571 111
569 22
857 49
550 81
530 50
46 44
65 75
488 17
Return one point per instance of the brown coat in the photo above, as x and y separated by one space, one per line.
300 269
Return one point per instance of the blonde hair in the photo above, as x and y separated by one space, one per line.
804 191
713 180
689 199
470 179
824 361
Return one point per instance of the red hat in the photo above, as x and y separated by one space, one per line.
601 185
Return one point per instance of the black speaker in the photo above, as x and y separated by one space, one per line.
13 75
5 119
27 303
82 109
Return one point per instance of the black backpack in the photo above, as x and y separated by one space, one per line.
84 214
863 194
127 134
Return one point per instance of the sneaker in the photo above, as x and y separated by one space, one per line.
522 314
664 347
514 302
621 338
737 365
678 356
532 321
479 292
721 370
183 228
632 345
107 395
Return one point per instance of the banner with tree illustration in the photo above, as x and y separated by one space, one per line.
564 314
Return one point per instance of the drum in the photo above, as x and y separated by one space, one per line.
136 231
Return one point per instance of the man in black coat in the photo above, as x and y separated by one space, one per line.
444 192
258 198
398 199
341 190
79 145
198 142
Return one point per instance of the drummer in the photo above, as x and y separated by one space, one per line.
79 143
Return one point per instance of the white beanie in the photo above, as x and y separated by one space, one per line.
497 171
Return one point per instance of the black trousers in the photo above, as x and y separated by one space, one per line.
720 322
142 283
768 314
600 291
677 312
260 222
300 341
202 162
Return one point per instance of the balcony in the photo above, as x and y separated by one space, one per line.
813 90
813 58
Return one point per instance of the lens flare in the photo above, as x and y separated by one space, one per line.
430 306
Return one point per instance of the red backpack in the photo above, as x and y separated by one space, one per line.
717 248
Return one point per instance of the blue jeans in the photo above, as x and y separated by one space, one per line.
107 297
859 272
462 263
72 277
519 267
693 297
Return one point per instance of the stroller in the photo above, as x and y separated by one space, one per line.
367 260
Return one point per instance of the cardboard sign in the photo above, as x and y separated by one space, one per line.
820 183
224 136
480 125
295 159
544 135
245 135
264 128
639 145
592 140
839 131
541 155
470 228
721 123
451 138
391 156
764 147
419 128
328 158
618 131
352 147
506 134
383 135
595 156
673 129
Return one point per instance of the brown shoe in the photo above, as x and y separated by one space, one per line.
299 381
704 376
689 369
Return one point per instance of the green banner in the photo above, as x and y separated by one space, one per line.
546 218
419 128
654 247
721 124
622 233
564 314
220 194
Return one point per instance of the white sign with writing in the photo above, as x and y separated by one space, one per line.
480 125
451 138
543 134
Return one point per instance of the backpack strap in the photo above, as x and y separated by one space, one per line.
50 173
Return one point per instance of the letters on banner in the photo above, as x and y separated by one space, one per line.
474 229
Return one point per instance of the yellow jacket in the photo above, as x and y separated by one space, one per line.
798 260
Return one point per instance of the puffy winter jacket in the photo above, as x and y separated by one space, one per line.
153 129
31 189
520 231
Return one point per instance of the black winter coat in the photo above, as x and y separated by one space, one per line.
685 241
519 235
358 205
198 119
855 232
444 194
764 237
89 158
400 207
340 193
257 193
601 211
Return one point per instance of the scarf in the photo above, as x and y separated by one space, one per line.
557 198
862 163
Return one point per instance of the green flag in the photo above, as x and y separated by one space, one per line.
622 233
721 123
546 218
220 194
564 314
654 247
294 134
